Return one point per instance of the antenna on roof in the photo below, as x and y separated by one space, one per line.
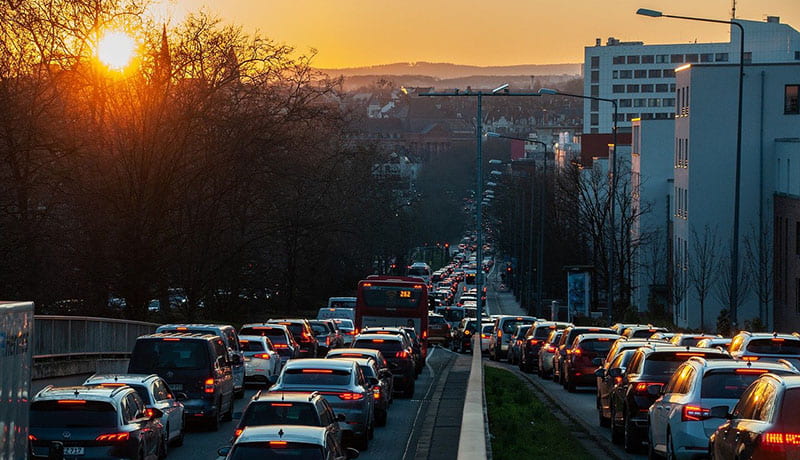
77 392
749 363
280 433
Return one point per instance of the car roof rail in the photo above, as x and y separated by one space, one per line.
313 394
788 364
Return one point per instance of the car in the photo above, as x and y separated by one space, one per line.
281 337
515 343
650 367
348 329
289 408
287 441
721 343
618 328
337 312
547 352
486 335
438 330
262 362
642 332
382 391
410 337
231 339
345 387
559 358
764 423
504 327
663 336
606 383
453 315
399 355
680 423
155 393
462 335
762 346
193 363
586 353
303 334
691 340
327 334
383 365
94 422
533 341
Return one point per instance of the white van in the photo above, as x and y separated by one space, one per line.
342 313
341 302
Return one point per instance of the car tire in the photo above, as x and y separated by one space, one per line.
616 432
603 421
631 441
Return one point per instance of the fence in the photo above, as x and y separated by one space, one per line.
84 336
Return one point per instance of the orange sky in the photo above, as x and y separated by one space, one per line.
349 33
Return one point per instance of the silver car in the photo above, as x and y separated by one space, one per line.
345 387
547 351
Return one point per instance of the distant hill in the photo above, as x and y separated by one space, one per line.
441 70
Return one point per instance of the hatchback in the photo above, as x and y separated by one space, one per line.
565 342
680 422
533 342
281 337
399 356
515 343
762 346
382 391
504 327
286 441
586 353
328 335
438 330
262 363
548 349
95 422
285 408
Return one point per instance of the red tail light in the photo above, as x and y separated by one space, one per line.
306 337
237 432
278 444
376 393
694 413
115 437
533 341
261 356
208 386
484 336
350 396
401 354
149 412
641 387
280 345
499 333
779 441
550 349
32 438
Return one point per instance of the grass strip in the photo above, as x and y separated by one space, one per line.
523 427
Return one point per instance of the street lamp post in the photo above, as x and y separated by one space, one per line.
734 283
540 242
503 91
612 198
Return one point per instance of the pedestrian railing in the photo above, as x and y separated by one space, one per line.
57 337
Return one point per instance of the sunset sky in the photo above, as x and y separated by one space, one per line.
350 33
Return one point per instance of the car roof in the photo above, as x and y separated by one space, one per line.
711 364
769 335
290 433
120 378
319 363
668 347
195 326
359 361
265 325
81 393
299 396
593 336
789 381
253 338
354 350
287 320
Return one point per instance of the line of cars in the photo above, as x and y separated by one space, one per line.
680 395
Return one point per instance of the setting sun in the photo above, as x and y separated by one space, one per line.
116 49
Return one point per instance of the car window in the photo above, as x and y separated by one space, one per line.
51 414
510 324
685 381
390 346
774 346
673 381
162 354
665 363
309 377
280 413
600 346
251 345
221 352
143 392
233 339
320 328
160 391
789 407
726 384
736 343
766 403
635 364
747 404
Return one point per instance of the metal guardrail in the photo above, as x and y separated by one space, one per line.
76 336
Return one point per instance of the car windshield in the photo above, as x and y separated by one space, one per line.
599 346
251 345
52 414
436 320
690 341
275 334
280 413
297 329
774 346
451 315
387 347
320 329
344 323
667 363
392 296
170 354
728 383
263 451
316 377
541 332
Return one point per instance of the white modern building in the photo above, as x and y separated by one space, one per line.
641 78
704 165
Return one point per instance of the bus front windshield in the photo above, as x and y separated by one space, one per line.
391 297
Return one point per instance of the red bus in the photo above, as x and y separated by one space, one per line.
393 301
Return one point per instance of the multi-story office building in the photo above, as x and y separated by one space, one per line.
641 78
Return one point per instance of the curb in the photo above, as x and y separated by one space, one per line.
473 440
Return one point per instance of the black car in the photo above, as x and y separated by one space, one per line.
328 335
303 334
94 422
640 385
560 356
196 364
533 341
399 356
462 336
289 408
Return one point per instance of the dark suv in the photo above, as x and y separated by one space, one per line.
648 370
303 334
196 364
94 422
397 353
533 341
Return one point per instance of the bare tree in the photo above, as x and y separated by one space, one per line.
703 266
725 293
760 258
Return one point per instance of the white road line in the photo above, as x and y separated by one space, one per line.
419 409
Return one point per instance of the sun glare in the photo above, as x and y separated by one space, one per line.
116 49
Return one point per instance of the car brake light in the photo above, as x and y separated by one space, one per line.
550 349
237 432
113 437
181 328
780 439
32 438
149 412
317 371
424 334
484 336
750 358
278 444
71 401
261 356
350 396
169 339
499 333
533 341
689 355
376 392
641 387
208 386
751 371
280 345
466 332
112 385
401 354
694 413
281 404
378 340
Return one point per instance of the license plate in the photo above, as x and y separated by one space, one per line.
73 451
176 386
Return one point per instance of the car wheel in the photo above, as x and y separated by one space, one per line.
616 432
631 441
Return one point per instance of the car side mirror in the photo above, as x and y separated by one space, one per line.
224 451
597 361
615 372
600 373
181 396
340 418
655 390
719 412
351 453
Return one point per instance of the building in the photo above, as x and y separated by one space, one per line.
703 194
641 78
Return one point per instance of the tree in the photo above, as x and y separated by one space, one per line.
760 262
703 269
725 292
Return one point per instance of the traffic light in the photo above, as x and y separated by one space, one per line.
447 245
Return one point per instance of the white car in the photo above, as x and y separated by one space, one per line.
486 335
261 361
680 420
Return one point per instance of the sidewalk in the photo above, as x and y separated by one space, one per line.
502 302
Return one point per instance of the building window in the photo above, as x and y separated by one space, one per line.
619 60
647 88
672 87
648 59
620 117
721 57
668 102
615 74
797 238
707 57
748 57
662 58
676 58
625 103
618 89
640 73
595 62
595 90
692 58
595 76
632 89
631 116
595 104
633 59
594 130
654 73
594 119
790 103
669 73
662 88
654 102
640 102
626 74
647 116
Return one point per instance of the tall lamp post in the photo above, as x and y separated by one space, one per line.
540 243
734 283
503 91
612 209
